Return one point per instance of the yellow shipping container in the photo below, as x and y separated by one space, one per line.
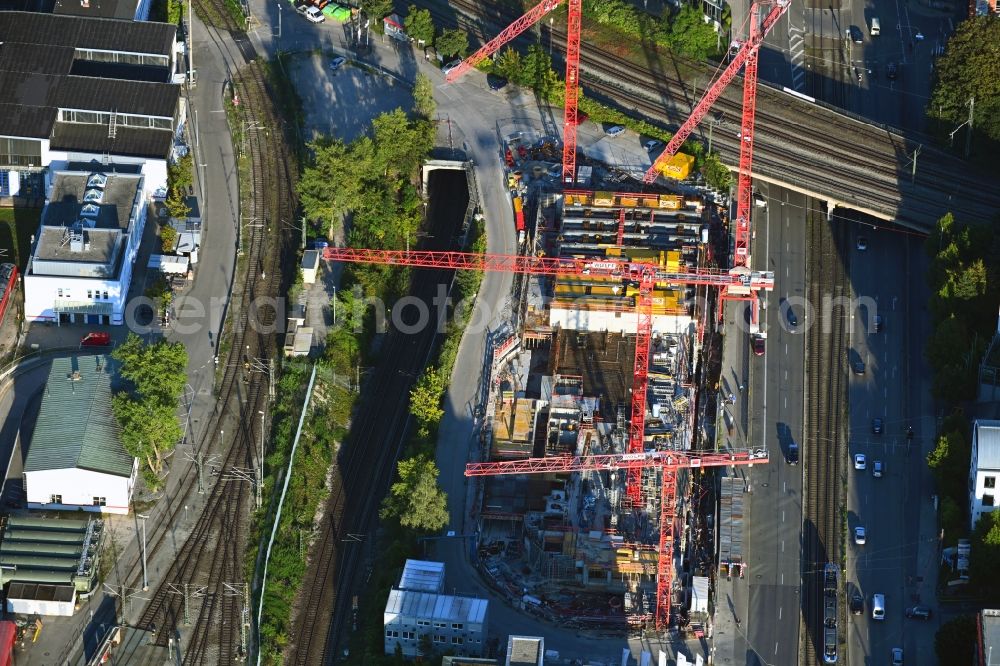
679 166
604 199
652 202
673 262
670 202
631 202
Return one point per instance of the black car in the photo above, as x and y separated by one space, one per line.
496 82
878 324
793 319
793 454
859 367
891 71
855 34
918 613
857 603
877 426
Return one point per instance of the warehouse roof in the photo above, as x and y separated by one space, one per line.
115 9
130 141
988 444
86 93
75 427
103 34
441 607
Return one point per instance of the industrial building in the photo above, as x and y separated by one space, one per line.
73 458
84 252
984 469
418 608
77 89
47 563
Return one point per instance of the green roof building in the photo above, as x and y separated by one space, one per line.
74 458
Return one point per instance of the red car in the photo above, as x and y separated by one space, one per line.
96 340
757 343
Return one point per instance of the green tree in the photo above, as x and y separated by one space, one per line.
537 71
330 183
419 25
426 395
690 35
376 11
452 43
155 371
415 500
168 238
423 97
970 67
955 641
508 65
984 555
147 410
716 173
949 460
176 203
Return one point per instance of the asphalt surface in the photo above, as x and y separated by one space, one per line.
899 556
776 403
808 51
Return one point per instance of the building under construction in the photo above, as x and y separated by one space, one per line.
575 546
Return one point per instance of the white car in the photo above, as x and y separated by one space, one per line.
450 66
860 462
337 63
859 535
651 145
616 130
312 14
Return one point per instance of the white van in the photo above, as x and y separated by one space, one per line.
875 27
878 606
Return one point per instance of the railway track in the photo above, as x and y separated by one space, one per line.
211 561
826 406
364 469
862 164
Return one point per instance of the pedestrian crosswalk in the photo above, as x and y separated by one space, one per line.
797 56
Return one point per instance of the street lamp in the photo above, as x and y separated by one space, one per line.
145 579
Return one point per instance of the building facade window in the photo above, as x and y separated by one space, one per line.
457 640
100 501
105 297
55 499
59 293
423 623
90 294
987 500
408 635
990 482
457 625
439 638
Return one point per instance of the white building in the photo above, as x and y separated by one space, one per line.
451 622
75 459
984 468
81 90
84 252
525 651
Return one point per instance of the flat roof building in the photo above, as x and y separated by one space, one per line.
81 264
74 458
525 651
984 469
416 609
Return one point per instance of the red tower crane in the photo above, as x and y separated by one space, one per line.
747 56
570 116
646 276
668 461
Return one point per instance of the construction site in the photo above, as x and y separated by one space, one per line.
601 499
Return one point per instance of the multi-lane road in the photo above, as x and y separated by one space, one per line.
898 558
776 391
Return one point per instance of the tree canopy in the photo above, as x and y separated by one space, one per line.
452 43
955 641
147 410
419 25
970 67
415 500
423 97
690 35
425 397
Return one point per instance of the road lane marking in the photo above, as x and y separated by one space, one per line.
782 515
785 486
779 612
775 647
782 577
782 546
785 400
